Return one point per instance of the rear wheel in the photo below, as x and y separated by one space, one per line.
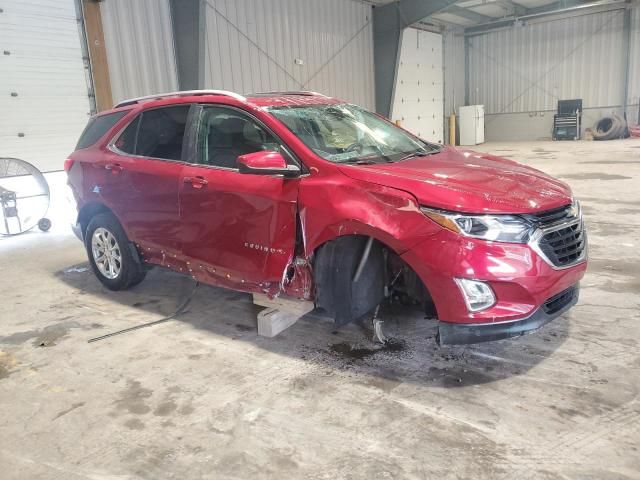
110 253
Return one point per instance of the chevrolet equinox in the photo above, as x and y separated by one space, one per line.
302 195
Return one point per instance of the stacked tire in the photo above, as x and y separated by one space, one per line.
610 128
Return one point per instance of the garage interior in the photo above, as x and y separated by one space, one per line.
203 395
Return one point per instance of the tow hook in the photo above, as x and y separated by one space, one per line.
378 323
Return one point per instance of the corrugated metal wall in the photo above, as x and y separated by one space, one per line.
530 68
139 43
634 72
252 46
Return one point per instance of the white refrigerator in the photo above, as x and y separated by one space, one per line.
471 124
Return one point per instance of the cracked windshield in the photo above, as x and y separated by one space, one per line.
349 134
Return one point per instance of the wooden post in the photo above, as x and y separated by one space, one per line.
452 129
97 54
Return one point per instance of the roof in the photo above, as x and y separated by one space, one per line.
290 99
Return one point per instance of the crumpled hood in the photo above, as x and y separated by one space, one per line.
466 181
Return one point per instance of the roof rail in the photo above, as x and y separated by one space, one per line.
292 92
183 93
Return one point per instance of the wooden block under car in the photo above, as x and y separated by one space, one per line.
280 314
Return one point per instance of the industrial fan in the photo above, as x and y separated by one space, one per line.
24 197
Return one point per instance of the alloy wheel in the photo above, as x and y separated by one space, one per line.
106 253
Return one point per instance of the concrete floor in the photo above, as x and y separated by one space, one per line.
204 397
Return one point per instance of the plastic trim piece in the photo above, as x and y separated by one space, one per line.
534 243
463 334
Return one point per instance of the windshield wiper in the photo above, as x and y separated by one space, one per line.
368 159
358 161
418 153
384 156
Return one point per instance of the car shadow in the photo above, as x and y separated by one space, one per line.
411 356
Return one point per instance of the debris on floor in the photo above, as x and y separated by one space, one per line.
76 270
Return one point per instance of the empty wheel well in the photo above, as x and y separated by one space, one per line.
88 212
336 264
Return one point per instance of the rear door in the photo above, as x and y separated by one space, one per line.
238 230
145 164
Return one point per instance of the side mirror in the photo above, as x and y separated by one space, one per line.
266 163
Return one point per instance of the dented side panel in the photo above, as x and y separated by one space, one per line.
238 231
334 205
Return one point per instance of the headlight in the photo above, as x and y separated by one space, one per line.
499 228
576 209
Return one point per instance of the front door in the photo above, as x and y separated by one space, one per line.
145 165
238 230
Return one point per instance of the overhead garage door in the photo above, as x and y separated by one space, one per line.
418 97
44 102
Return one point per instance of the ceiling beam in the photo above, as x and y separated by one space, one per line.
550 7
388 23
509 6
557 8
513 8
468 14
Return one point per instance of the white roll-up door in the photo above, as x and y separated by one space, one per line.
44 102
418 95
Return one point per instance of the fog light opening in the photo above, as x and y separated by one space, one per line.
477 295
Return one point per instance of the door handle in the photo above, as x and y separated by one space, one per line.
114 168
196 182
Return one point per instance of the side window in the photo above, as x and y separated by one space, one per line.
157 133
225 134
97 127
127 141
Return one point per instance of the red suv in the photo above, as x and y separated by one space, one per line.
303 195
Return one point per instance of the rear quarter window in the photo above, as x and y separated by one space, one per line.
97 127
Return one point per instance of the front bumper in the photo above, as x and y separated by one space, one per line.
520 278
461 334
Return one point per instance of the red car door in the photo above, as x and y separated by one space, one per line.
145 165
238 230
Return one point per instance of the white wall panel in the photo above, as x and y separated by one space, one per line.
530 68
252 46
139 43
454 72
44 99
418 95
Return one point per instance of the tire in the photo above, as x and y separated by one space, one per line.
335 266
622 131
604 128
119 268
610 128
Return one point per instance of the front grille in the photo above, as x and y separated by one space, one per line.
559 301
562 238
564 246
550 217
